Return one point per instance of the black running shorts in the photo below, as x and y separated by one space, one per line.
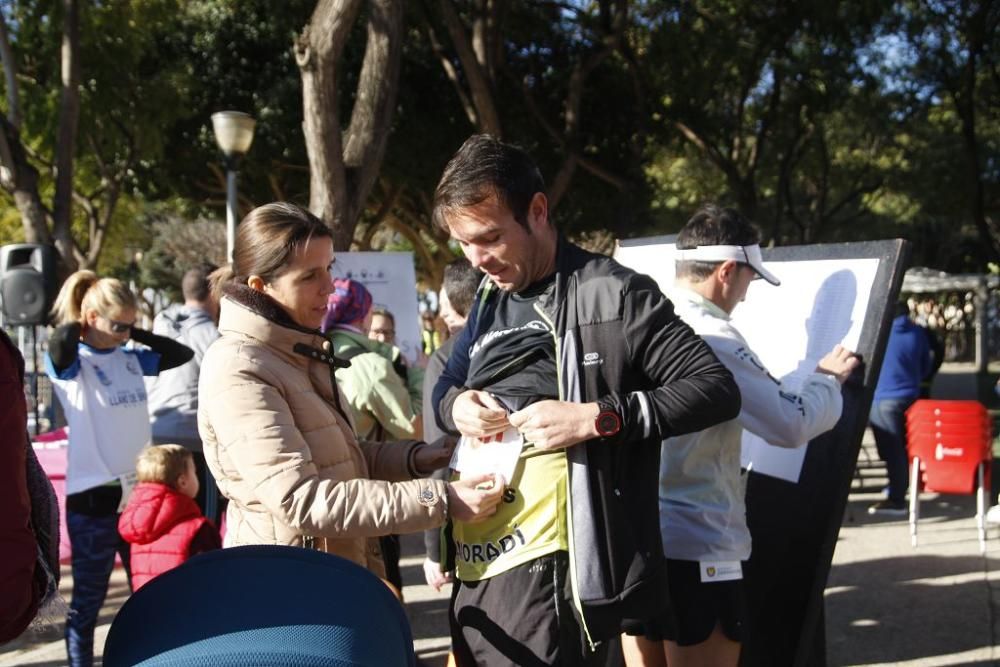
523 617
698 607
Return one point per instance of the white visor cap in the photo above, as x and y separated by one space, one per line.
745 254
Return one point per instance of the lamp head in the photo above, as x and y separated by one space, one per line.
233 132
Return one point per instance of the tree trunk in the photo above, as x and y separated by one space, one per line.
343 167
371 118
745 190
69 116
10 76
20 178
965 99
318 51
987 235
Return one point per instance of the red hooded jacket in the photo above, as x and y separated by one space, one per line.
165 528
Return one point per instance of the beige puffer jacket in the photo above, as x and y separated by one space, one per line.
284 453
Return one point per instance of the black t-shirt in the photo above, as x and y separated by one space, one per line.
515 359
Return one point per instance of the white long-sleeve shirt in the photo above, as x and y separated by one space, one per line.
702 507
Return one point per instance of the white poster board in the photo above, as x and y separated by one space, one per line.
392 281
819 304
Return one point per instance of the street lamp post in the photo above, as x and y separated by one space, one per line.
234 134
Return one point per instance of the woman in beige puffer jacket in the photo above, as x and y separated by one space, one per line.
275 430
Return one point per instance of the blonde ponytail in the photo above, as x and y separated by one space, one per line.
68 305
84 291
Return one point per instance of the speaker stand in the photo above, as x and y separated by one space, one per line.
34 377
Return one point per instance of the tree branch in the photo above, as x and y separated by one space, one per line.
450 72
602 173
765 124
713 153
560 184
415 240
8 168
388 203
103 223
479 85
854 194
10 76
276 190
22 178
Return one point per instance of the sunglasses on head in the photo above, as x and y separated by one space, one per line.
119 327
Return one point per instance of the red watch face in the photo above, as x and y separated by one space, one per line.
608 423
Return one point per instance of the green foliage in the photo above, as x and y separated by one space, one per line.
826 121
176 245
237 55
829 122
11 229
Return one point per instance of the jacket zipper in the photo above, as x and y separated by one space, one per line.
569 498
514 366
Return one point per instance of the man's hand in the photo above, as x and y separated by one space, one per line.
479 415
428 458
556 424
475 498
839 363
434 576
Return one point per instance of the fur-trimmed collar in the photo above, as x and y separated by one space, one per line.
263 305
248 315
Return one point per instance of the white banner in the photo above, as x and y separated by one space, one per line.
392 281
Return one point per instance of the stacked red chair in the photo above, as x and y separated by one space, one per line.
949 444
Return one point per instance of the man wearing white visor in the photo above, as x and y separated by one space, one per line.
702 509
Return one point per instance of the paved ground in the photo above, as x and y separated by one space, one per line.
937 605
888 603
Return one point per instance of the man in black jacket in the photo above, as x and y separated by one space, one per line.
579 367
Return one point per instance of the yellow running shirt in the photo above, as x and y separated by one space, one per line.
530 522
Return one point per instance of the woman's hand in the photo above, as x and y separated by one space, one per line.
475 498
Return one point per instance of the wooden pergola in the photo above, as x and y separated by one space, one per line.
921 280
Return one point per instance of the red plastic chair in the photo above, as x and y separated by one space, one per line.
922 424
949 444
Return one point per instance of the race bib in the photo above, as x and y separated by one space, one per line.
724 570
497 456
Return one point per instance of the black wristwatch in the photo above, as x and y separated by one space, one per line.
608 422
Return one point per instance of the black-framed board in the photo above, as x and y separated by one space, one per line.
830 293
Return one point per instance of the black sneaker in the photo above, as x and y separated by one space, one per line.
889 508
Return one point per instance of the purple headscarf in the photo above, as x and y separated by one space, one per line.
349 302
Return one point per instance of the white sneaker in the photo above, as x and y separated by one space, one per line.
993 514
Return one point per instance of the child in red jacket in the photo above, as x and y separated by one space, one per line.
161 521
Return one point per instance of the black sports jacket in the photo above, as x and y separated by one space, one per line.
617 339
